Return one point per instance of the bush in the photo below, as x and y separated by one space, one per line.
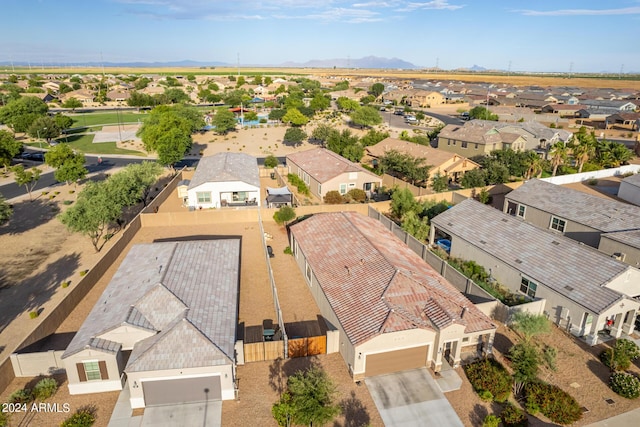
83 272
549 354
288 250
299 184
83 417
619 357
24 395
513 416
486 395
556 404
624 384
33 314
270 161
4 419
333 198
491 421
66 284
489 375
45 388
357 195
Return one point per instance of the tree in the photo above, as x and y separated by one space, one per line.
584 149
294 135
333 197
28 178
346 104
474 178
93 213
172 146
524 361
439 183
376 89
62 121
9 147
402 202
405 165
558 155
224 121
277 114
19 114
534 165
270 161
284 215
322 132
44 127
5 211
529 325
142 176
312 397
283 411
416 226
175 95
138 99
69 165
366 116
482 113
373 137
295 117
74 103
319 102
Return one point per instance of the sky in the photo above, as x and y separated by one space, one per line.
516 35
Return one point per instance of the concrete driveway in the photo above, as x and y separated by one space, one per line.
188 414
411 398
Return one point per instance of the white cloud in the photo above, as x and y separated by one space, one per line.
352 16
582 12
429 5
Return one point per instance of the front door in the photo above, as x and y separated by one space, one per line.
448 346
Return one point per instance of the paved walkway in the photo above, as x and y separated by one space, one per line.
628 419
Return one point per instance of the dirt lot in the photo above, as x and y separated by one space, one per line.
579 372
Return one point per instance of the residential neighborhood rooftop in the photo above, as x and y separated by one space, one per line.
186 293
323 164
375 283
564 265
223 167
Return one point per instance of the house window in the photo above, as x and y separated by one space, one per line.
204 197
558 224
92 371
448 142
454 143
528 287
319 190
343 188
521 210
476 146
463 144
308 272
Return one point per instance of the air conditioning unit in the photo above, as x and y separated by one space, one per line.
620 256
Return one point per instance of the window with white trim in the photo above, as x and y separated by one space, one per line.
92 370
528 287
521 210
558 224
319 189
308 272
463 144
204 196
343 188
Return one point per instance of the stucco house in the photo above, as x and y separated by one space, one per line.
442 162
225 179
629 189
392 311
583 288
610 226
477 137
165 324
323 171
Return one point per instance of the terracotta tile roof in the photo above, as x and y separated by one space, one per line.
375 283
323 164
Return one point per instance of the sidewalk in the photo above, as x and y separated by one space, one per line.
628 419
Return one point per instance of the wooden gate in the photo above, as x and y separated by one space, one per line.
259 351
310 346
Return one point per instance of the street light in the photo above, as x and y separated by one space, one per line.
39 140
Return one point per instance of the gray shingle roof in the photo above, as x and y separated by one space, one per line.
596 212
374 282
575 271
224 167
160 285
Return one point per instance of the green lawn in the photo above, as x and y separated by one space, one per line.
92 119
85 144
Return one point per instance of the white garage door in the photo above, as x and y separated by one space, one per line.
182 390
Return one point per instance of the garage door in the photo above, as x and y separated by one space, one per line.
168 392
395 361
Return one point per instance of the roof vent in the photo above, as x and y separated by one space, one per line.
518 261
504 220
450 224
569 288
483 242
555 242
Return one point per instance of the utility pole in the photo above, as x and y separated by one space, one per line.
621 70
570 69
238 65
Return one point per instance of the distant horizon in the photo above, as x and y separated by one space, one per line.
548 36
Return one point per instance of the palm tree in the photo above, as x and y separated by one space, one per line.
582 153
558 154
620 153
534 165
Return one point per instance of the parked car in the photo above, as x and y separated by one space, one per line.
444 244
465 116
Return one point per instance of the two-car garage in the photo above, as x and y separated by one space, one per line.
181 390
395 361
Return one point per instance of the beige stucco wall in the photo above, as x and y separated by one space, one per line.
611 247
135 379
217 189
627 283
357 179
455 146
114 368
629 192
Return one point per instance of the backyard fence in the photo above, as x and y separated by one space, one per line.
308 346
40 363
265 350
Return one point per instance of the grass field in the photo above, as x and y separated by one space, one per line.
85 144
110 118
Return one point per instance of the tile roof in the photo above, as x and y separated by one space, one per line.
374 282
433 156
160 285
224 167
548 258
323 164
596 212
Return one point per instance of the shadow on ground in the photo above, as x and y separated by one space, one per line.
28 215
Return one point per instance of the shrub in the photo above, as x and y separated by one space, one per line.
45 388
357 195
491 421
489 375
66 284
486 395
83 417
23 395
4 419
549 355
556 404
619 357
592 181
624 384
333 198
299 184
513 416
67 202
288 250
270 161
33 314
83 273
